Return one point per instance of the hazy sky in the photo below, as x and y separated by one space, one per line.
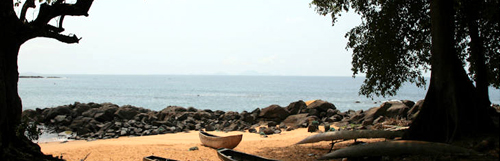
278 37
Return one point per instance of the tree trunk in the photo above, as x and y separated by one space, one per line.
449 111
477 52
12 146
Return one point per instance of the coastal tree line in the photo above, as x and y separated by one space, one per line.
395 42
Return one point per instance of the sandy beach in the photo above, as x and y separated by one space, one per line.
176 146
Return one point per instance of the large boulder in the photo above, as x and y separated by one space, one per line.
298 120
200 115
50 113
319 106
230 115
80 108
169 112
412 113
30 114
106 112
248 117
173 109
79 125
274 113
126 112
399 109
390 109
295 107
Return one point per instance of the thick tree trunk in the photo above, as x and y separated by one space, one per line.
477 52
12 146
449 111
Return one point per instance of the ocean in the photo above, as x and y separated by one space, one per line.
215 92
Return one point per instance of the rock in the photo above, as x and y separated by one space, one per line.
390 109
408 103
31 114
312 128
248 117
138 131
192 109
230 115
321 106
209 127
331 112
412 113
106 112
81 125
296 121
290 129
199 115
103 117
398 109
326 127
266 130
252 130
50 113
274 113
182 116
60 118
123 131
90 113
193 148
173 109
80 108
126 112
159 123
379 119
295 107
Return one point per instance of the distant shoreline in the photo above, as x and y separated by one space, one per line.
23 76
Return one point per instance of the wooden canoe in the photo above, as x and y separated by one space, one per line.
156 158
233 155
218 142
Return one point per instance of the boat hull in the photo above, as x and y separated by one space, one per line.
218 142
233 155
156 158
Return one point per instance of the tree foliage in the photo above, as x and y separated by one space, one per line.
392 44
48 10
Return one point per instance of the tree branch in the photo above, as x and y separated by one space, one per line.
48 12
28 4
70 39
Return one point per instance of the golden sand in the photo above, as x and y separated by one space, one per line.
176 146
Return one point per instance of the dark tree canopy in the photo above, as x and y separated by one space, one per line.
398 40
392 44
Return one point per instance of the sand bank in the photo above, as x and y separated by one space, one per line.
176 146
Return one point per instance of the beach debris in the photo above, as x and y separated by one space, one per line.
193 148
85 157
346 135
398 148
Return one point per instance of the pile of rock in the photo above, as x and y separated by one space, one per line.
107 120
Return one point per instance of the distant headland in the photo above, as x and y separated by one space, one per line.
23 76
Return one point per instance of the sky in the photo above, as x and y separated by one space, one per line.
196 37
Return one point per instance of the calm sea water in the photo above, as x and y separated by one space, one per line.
235 93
